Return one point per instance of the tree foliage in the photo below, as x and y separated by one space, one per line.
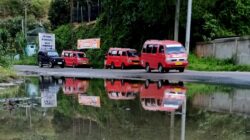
59 12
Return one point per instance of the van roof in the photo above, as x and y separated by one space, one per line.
72 51
121 49
163 42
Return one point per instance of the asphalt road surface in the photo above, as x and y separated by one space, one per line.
230 78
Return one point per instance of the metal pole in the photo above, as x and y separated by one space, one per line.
176 25
189 13
25 19
183 119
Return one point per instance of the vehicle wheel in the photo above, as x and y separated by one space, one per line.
112 81
167 70
181 70
147 83
62 66
51 65
160 68
180 83
147 68
74 65
112 66
159 84
122 66
40 64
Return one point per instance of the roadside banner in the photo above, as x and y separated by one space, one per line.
46 41
89 100
91 43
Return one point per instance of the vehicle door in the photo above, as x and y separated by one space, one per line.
45 58
119 59
113 57
154 59
66 58
74 59
124 57
70 59
161 55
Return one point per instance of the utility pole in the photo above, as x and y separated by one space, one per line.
71 11
189 14
25 18
176 25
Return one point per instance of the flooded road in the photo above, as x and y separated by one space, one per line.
105 109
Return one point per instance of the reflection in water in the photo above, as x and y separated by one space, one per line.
75 85
76 108
122 89
162 96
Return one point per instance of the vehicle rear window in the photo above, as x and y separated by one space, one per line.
132 53
53 54
175 49
81 55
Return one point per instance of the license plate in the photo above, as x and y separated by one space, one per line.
59 62
136 63
178 63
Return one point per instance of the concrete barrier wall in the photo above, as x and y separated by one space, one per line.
236 102
237 48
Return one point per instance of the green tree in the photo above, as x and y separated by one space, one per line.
59 12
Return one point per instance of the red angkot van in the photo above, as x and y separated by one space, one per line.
121 58
75 58
75 86
122 90
162 96
163 55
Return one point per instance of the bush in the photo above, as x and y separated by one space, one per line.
96 57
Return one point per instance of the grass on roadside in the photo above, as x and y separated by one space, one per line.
26 61
212 64
6 74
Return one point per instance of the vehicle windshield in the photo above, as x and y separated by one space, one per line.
132 53
53 54
175 49
81 55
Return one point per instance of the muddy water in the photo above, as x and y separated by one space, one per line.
106 109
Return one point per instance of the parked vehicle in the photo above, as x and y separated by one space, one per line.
121 58
75 58
162 96
74 86
50 58
122 89
163 55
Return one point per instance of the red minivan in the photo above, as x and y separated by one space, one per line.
75 58
121 58
163 55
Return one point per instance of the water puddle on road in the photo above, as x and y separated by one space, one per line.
96 109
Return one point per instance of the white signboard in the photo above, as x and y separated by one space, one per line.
91 43
48 99
46 41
